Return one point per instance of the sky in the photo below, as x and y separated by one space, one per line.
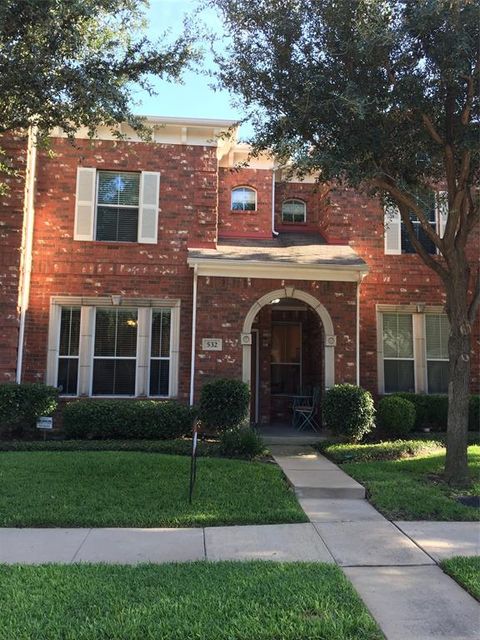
194 98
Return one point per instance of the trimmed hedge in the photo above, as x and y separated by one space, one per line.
21 404
431 411
349 411
241 443
388 450
124 419
223 404
396 416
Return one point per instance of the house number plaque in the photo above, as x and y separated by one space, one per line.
212 344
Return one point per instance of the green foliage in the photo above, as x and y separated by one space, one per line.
182 601
22 404
72 63
223 404
431 411
241 442
396 416
137 419
349 411
388 450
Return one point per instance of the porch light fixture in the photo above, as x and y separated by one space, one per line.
275 301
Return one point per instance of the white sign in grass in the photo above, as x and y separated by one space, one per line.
45 422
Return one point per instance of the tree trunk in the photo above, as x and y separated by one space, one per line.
459 349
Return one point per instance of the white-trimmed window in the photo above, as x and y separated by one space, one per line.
397 240
100 347
68 351
437 330
412 349
294 210
244 199
398 356
116 206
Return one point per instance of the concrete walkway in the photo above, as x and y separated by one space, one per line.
392 565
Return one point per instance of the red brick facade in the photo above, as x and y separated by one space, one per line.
195 212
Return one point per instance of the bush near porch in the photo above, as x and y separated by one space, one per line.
132 489
431 411
22 404
403 478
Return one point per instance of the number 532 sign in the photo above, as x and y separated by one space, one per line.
212 344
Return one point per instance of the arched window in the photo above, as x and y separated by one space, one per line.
294 211
244 199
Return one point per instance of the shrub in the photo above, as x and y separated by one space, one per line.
241 442
388 450
223 404
22 404
137 419
396 416
432 411
348 410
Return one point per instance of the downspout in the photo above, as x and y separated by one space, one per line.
27 244
274 233
357 331
194 334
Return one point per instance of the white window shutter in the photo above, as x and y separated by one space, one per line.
85 204
393 236
441 201
148 207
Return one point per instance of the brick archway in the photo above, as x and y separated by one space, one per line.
318 308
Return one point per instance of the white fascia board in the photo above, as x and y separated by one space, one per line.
277 270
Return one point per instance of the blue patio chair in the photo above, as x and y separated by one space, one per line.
306 415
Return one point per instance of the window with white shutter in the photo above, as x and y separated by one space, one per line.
117 206
85 204
437 330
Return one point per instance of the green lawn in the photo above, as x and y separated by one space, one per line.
131 489
201 601
412 488
466 571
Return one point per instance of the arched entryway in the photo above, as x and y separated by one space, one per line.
288 297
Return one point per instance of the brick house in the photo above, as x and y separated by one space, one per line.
119 255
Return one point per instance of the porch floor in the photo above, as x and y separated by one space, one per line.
285 433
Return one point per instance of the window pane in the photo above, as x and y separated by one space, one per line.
68 376
69 331
437 329
118 187
437 372
113 377
159 377
160 342
244 199
116 332
117 224
397 335
293 211
285 379
127 333
399 376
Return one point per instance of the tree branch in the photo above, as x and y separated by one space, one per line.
467 107
429 126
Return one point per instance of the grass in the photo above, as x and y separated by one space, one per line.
130 489
388 450
201 601
412 488
466 571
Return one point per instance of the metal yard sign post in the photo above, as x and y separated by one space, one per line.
193 462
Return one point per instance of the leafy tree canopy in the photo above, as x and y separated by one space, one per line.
72 63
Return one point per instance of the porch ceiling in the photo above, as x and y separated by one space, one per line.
297 256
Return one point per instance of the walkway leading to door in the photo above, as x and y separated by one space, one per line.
391 565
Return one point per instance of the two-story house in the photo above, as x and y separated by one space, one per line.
135 268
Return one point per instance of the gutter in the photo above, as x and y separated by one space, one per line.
194 335
357 329
27 244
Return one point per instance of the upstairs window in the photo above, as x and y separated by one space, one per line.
397 239
294 211
117 206
244 199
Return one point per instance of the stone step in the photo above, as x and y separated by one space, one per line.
326 482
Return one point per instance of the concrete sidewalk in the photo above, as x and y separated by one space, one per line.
392 565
